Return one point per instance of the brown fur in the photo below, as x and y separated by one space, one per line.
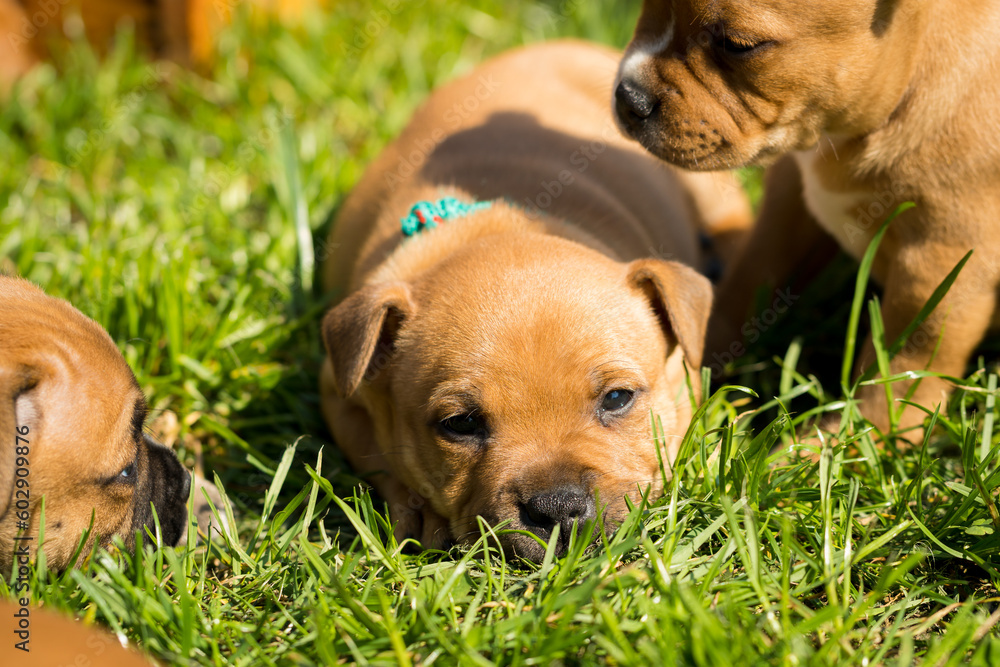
14 59
57 641
877 102
68 392
181 30
526 317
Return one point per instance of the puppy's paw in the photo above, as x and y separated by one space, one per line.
435 530
423 525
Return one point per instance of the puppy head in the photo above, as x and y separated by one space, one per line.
712 84
71 415
515 380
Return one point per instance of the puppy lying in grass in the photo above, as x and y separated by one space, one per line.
71 424
517 297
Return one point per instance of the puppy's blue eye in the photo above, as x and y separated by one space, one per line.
465 426
127 473
617 400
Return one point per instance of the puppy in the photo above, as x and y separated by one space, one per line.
504 361
40 638
182 30
71 420
872 103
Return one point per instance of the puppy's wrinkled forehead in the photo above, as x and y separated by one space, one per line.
536 315
80 370
670 24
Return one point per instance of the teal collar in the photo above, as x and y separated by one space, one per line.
429 214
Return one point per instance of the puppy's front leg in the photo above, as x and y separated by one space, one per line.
412 515
783 236
915 268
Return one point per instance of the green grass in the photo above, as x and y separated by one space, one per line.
187 216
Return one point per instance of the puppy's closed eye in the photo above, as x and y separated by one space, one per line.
738 47
464 427
734 46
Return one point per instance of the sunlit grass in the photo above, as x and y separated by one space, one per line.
188 214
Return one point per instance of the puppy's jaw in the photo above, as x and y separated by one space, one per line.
691 127
687 128
506 510
165 488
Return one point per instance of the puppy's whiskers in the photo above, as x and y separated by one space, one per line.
833 148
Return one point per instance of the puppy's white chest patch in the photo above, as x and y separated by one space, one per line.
852 215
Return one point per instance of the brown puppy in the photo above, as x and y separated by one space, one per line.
879 102
71 418
504 365
182 30
35 637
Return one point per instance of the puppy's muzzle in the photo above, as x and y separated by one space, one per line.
634 105
561 507
169 486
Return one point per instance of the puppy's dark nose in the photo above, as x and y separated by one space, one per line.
633 103
561 507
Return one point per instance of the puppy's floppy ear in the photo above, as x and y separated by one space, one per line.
681 297
17 409
361 324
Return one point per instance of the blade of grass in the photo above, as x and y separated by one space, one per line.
860 288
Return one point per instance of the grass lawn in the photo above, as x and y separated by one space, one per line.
188 214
